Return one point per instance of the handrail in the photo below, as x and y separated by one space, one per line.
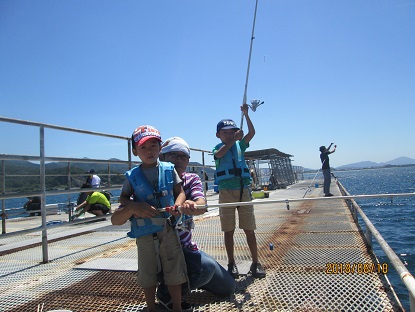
292 200
64 159
42 159
38 229
57 192
39 124
406 277
403 272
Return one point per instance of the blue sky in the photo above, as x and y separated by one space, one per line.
328 71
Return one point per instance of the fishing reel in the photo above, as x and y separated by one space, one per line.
254 104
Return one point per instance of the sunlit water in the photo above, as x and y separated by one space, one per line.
394 220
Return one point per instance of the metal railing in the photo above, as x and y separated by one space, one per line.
43 158
371 232
406 277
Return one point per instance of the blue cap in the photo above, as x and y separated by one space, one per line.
226 124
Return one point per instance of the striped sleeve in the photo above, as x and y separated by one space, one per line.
192 186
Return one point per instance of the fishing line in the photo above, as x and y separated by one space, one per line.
249 63
287 201
312 181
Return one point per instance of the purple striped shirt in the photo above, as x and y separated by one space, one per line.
193 188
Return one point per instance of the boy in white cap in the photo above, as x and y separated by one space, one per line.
233 179
204 272
153 185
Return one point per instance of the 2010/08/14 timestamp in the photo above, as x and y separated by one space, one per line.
356 268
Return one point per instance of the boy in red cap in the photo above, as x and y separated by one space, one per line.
150 186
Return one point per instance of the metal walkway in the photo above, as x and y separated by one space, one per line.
309 241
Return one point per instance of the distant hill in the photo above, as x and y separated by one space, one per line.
23 175
400 161
359 165
57 174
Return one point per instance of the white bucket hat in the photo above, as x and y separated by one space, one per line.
175 144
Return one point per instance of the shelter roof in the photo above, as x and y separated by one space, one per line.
268 153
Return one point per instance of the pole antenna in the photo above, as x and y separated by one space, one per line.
249 63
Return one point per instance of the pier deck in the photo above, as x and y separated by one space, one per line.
309 239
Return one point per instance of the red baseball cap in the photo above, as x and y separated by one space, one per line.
144 133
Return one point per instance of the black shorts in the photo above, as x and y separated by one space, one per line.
101 207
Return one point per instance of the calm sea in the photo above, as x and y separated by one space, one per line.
394 220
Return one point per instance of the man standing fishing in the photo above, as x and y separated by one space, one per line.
324 156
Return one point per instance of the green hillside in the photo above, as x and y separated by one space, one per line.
23 176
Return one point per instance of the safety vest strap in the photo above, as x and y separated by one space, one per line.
157 195
232 164
236 172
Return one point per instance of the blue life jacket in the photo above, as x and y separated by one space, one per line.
144 192
232 164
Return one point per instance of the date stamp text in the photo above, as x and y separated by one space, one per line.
356 268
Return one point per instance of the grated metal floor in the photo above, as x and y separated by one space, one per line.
309 239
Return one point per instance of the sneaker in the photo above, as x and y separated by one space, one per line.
328 195
257 270
168 305
233 270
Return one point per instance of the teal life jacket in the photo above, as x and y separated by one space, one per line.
160 196
232 164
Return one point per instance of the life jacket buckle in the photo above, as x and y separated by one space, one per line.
160 194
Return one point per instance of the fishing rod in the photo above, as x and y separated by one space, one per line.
287 201
308 189
249 64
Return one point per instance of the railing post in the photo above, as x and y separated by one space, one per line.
204 174
69 182
130 164
109 174
43 195
353 211
369 238
3 202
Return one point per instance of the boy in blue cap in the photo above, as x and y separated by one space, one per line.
233 178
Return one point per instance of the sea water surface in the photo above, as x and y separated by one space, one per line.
395 220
